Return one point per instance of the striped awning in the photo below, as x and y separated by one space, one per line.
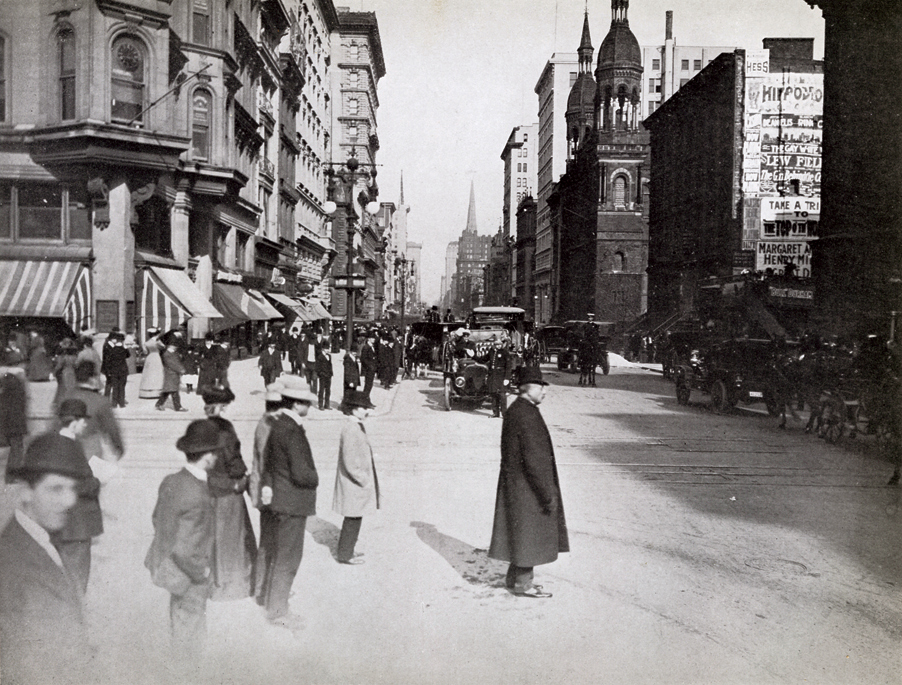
238 305
170 299
46 288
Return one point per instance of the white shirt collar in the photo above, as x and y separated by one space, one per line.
196 471
40 535
293 415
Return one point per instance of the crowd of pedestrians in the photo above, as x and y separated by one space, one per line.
204 547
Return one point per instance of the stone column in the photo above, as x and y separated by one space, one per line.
180 220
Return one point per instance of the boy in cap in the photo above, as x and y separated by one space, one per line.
73 541
181 554
42 629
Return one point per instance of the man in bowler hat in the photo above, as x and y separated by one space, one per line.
43 637
181 554
529 527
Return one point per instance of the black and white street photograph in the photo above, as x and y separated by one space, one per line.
450 342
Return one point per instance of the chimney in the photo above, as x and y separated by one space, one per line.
668 31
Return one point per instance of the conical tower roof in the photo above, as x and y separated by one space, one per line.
582 94
471 212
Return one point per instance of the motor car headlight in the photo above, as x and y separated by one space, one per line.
460 381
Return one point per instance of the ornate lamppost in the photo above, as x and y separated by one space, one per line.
341 193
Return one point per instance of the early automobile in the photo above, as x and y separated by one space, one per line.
465 354
581 338
551 341
731 371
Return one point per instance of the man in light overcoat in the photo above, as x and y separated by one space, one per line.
529 527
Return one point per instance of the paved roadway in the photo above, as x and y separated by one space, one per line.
705 549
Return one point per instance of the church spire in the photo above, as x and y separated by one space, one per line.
471 212
585 50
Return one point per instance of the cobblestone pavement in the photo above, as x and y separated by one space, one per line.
705 549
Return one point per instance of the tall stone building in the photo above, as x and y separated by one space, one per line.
736 183
599 205
358 64
172 171
472 257
552 89
857 261
520 180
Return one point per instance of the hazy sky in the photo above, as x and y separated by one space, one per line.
460 74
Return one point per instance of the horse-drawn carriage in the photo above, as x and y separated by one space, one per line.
586 346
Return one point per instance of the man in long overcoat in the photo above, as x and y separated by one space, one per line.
529 527
290 480
172 377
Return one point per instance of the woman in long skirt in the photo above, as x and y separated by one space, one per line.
234 546
64 369
152 374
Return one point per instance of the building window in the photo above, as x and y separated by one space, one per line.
352 132
201 107
127 80
354 51
654 85
6 226
519 167
66 54
353 79
683 82
525 137
651 106
524 167
2 78
40 211
353 106
697 64
79 214
656 64
619 262
200 22
619 192
684 65
222 245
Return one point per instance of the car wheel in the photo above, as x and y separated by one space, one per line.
447 394
683 391
720 398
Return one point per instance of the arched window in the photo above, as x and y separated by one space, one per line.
201 118
619 192
65 39
619 262
2 78
128 80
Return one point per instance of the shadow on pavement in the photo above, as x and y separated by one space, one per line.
473 564
324 533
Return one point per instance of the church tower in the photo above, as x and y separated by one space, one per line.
619 74
581 103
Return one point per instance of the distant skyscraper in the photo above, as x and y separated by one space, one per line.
472 256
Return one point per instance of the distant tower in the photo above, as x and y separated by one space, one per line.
471 212
619 74
581 103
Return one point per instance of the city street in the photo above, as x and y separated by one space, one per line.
704 549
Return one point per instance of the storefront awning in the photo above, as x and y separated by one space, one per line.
238 306
317 310
259 300
296 308
53 289
170 298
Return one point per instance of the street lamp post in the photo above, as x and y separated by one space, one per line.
341 189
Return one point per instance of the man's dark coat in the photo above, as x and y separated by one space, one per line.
289 469
529 527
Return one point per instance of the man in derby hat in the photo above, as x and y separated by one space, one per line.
181 554
289 483
85 521
529 527
43 637
368 361
356 484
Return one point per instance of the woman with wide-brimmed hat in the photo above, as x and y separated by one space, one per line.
152 373
64 369
234 549
356 483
